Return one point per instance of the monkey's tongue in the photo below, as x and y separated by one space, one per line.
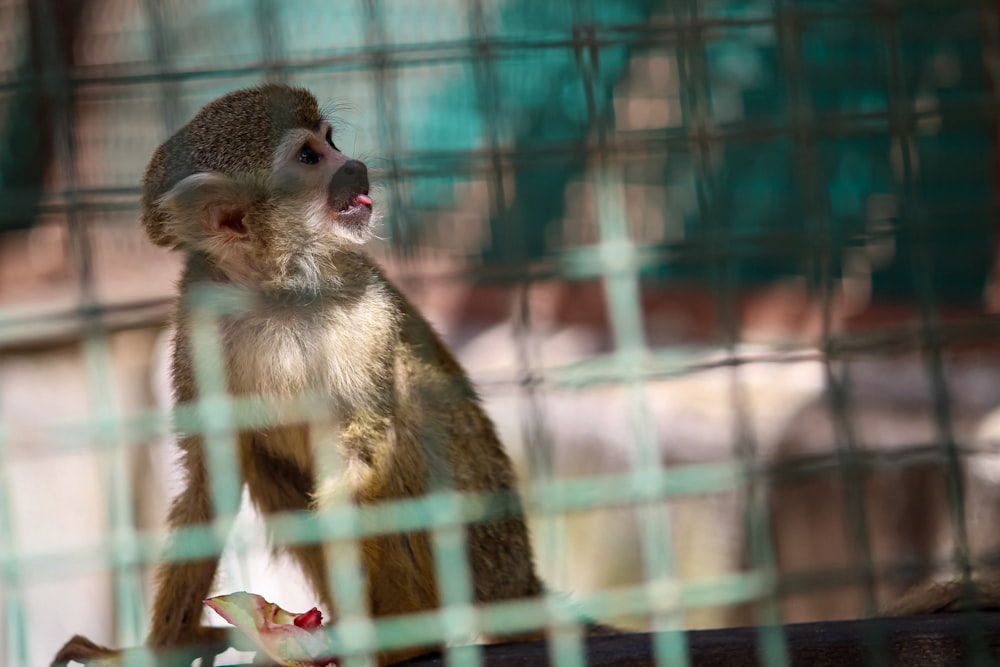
361 200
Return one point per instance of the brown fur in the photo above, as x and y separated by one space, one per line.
251 120
403 417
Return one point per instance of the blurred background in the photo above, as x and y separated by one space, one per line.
720 236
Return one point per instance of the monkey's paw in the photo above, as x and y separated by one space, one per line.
205 644
82 650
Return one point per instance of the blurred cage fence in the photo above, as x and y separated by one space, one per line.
724 272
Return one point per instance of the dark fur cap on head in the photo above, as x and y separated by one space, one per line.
235 135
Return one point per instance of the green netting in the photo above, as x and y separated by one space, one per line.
717 145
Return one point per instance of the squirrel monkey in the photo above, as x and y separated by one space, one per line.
256 195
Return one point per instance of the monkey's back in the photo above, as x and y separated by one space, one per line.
444 418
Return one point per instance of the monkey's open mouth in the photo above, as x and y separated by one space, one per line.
360 199
356 211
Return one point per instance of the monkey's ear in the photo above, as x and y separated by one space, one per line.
206 208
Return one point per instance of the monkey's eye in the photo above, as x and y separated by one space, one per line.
329 139
307 155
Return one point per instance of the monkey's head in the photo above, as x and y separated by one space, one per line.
255 182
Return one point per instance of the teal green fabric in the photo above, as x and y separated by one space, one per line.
806 103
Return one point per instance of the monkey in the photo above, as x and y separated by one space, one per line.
256 195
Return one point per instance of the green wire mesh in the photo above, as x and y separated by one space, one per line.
715 145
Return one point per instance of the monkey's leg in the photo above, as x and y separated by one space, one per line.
276 485
182 586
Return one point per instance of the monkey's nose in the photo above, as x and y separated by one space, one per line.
348 182
355 168
352 173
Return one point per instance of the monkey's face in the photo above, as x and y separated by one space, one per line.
309 169
255 183
282 229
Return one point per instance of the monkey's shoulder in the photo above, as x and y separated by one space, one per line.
437 402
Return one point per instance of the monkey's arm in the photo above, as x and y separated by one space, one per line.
182 586
381 461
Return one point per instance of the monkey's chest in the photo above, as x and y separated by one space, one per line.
289 358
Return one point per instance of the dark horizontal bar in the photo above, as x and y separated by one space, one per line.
943 640
924 641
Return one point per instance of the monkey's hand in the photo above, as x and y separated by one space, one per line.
209 642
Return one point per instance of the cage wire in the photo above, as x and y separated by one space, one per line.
841 156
